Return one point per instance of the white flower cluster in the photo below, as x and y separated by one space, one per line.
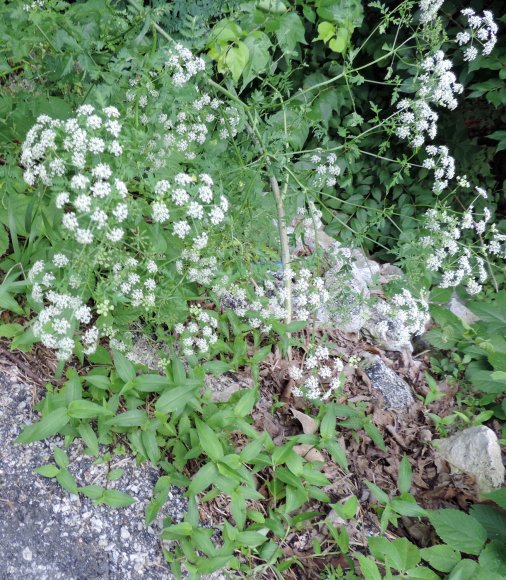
483 29
197 335
269 302
416 119
429 10
75 151
410 314
34 5
326 169
318 376
189 204
183 65
453 259
59 322
438 83
443 165
136 281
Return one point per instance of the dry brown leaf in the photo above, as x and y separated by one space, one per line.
309 425
309 452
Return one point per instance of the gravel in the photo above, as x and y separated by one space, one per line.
47 533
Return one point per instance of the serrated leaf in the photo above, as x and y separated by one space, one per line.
441 557
400 553
459 530
368 568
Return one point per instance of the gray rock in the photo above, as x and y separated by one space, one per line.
475 451
396 392
364 271
387 331
224 386
347 309
390 272
457 307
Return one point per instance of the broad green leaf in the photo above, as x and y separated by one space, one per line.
326 31
289 30
492 519
89 437
10 330
61 458
338 453
48 470
377 492
209 441
175 399
123 366
400 553
464 570
116 499
92 491
49 425
368 568
498 496
151 446
133 418
115 474
87 410
202 479
65 479
237 58
459 530
246 403
405 475
441 557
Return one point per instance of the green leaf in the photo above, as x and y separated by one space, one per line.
61 457
65 479
368 568
237 57
326 31
10 330
89 437
209 441
493 558
464 570
338 44
378 493
48 470
123 366
94 492
246 403
49 425
87 410
116 499
151 446
405 475
174 399
133 418
459 530
498 496
204 477
407 508
442 557
492 519
401 554
115 474
289 31
176 531
258 44
338 453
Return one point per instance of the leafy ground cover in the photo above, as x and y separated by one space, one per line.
280 200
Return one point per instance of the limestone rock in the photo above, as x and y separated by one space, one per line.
475 451
347 309
396 392
455 306
224 386
387 331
